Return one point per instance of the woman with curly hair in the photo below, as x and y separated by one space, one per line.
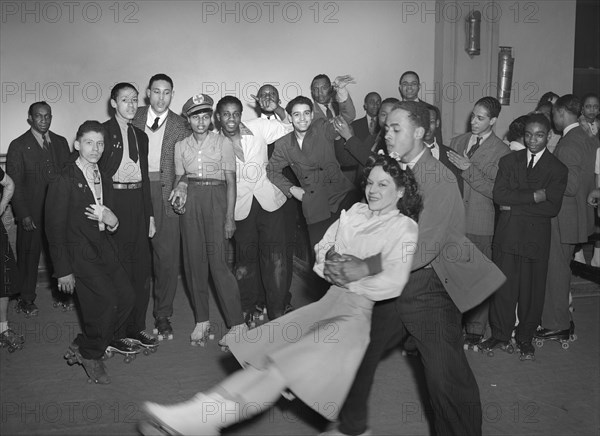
287 354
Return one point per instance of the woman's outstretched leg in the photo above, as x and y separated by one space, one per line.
239 397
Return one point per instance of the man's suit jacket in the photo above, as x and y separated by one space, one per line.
315 166
77 246
578 152
444 159
524 230
113 154
32 169
361 129
467 275
345 109
176 129
479 181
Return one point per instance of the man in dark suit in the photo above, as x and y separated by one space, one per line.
368 126
529 190
309 150
331 100
575 221
78 220
34 159
164 128
476 154
125 161
441 286
439 150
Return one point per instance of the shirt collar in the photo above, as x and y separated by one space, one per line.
569 128
413 162
38 136
273 115
245 130
86 168
123 124
537 155
483 137
152 116
432 145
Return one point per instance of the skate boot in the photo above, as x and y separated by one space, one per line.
249 319
260 312
563 336
489 345
202 332
235 334
66 305
148 344
94 368
472 341
201 415
124 346
11 340
526 350
27 307
337 432
163 329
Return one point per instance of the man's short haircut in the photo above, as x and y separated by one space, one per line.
516 129
418 113
114 92
431 107
265 86
160 76
33 105
570 103
371 93
229 99
547 98
90 126
491 105
538 119
390 100
320 76
409 72
543 105
299 100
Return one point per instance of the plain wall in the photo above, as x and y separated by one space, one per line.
72 53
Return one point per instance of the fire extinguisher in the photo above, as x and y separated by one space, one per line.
473 32
506 65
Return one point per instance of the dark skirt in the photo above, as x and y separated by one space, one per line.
8 265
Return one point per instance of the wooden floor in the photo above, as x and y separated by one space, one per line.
557 394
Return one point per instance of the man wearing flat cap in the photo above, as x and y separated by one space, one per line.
205 169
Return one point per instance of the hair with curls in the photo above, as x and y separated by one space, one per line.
569 103
90 126
299 100
418 113
491 105
411 203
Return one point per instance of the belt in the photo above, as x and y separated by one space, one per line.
205 182
136 185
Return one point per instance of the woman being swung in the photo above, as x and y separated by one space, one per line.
315 351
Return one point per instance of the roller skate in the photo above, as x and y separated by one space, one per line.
202 332
147 343
526 350
27 307
9 339
472 341
260 312
94 368
65 306
234 334
489 345
163 329
188 417
124 346
562 336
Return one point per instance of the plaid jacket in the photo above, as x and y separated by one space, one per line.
176 129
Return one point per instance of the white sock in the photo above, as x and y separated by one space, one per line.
596 259
3 326
579 256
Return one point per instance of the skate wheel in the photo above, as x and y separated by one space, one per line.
490 353
89 381
211 337
153 349
510 349
465 347
155 331
261 317
11 349
224 349
573 337
539 343
170 337
127 359
160 337
564 345
475 348
146 352
55 304
107 355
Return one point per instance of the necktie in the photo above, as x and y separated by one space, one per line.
530 166
45 144
97 186
372 126
328 113
155 125
473 149
133 151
